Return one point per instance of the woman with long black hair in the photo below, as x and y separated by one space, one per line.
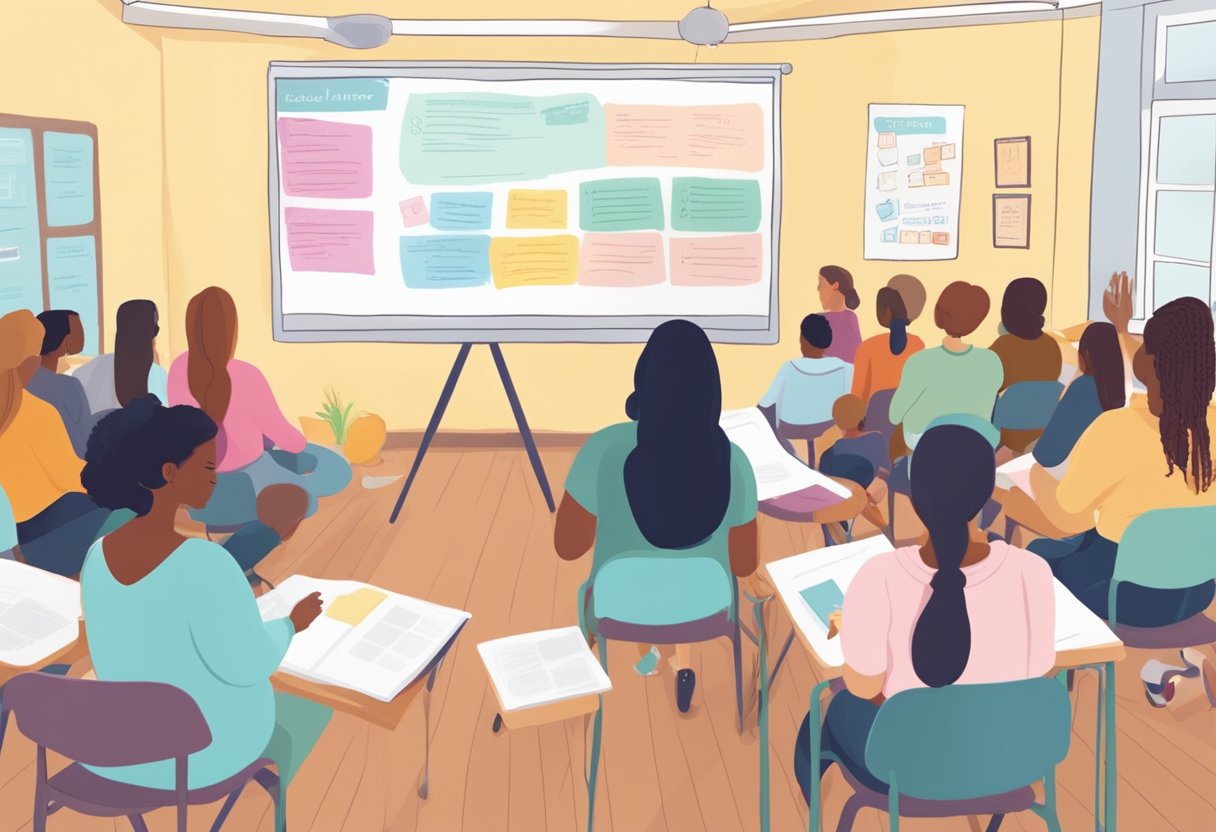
130 372
668 481
958 609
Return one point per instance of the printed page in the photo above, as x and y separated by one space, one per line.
39 613
777 472
543 667
1016 474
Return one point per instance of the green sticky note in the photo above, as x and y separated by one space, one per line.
621 205
722 205
823 599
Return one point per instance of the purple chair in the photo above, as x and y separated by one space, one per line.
120 724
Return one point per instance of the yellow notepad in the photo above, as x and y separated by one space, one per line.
354 607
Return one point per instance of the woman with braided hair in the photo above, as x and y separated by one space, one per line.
1154 454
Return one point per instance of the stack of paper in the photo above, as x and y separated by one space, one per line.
367 639
1016 474
39 613
777 471
542 668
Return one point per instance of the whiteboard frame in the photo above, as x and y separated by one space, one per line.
449 329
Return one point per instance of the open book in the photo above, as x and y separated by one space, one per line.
366 639
542 668
39 613
777 471
1076 626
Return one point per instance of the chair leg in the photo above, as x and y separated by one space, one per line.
891 514
3 720
41 802
737 647
137 823
848 815
994 825
229 802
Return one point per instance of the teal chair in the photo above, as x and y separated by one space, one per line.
630 597
901 473
959 750
8 528
1027 405
1164 549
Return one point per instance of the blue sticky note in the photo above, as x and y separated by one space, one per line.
823 599
914 159
71 270
20 239
445 261
887 210
67 161
468 211
890 235
331 95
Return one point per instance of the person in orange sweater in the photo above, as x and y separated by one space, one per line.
879 360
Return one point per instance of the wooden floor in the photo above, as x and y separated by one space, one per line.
475 534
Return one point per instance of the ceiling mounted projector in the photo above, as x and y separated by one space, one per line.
704 26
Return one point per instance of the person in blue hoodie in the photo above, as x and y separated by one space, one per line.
799 401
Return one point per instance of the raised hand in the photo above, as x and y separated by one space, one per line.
1117 301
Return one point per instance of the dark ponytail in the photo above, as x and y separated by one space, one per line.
955 472
890 300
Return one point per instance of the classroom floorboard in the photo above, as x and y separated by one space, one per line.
475 533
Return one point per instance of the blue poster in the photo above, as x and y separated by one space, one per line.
71 266
20 246
67 160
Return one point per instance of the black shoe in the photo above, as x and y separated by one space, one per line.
686 683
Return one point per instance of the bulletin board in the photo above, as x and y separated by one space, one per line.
50 220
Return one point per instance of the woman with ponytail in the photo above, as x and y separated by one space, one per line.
1027 353
130 372
1156 453
879 361
839 299
956 610
668 481
238 398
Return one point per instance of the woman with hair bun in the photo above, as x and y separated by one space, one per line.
165 608
1027 353
839 299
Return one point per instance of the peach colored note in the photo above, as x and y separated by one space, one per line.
727 260
726 137
622 260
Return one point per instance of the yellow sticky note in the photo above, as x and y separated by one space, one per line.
534 261
536 209
354 607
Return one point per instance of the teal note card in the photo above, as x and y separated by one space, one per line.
910 125
71 270
445 261
823 599
621 205
481 138
20 242
722 205
331 95
67 160
468 211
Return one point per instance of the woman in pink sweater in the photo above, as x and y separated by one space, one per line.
257 446
958 609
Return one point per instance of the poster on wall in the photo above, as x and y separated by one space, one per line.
914 176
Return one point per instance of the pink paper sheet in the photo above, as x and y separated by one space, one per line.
622 260
323 240
327 159
726 136
723 260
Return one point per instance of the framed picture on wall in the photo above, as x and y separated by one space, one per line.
1012 162
1011 220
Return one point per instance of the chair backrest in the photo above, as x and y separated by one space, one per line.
1170 548
963 742
878 413
969 420
658 591
1027 405
107 723
8 525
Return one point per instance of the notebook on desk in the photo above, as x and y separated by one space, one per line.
366 639
778 473
534 669
1077 627
39 613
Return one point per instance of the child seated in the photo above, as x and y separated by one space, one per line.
802 394
843 458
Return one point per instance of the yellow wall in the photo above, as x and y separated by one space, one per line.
215 194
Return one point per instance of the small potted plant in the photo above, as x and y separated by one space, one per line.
361 439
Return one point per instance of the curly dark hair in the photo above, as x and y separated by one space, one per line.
129 448
1179 338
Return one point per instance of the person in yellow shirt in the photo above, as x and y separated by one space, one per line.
39 471
1154 454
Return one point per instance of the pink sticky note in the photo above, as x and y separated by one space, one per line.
621 260
325 158
414 212
719 136
322 240
726 260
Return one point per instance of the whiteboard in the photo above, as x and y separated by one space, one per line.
483 202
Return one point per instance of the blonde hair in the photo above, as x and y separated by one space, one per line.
20 340
211 339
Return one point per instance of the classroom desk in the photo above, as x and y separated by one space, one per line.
70 654
1100 657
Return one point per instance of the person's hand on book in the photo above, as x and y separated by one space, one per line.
834 624
306 611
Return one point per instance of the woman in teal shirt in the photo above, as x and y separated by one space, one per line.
164 608
668 481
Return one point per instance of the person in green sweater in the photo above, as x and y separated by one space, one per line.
955 378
